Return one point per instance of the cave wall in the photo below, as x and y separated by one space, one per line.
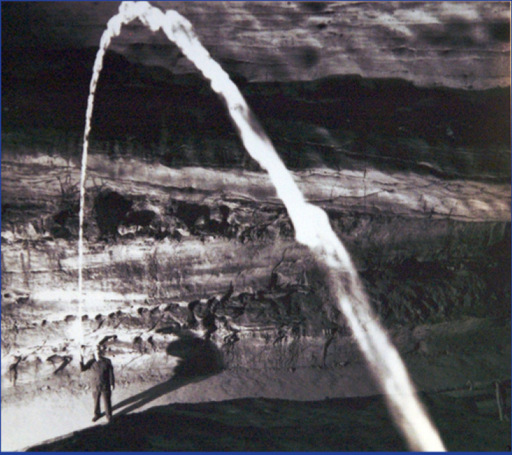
339 122
405 104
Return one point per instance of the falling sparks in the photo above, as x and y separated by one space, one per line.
311 223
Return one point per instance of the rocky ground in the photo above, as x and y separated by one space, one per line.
356 424
255 410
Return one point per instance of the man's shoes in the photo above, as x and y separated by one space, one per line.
96 417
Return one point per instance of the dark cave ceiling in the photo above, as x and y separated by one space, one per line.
451 44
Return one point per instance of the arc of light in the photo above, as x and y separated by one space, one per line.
311 223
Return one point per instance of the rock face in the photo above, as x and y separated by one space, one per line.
216 263
394 117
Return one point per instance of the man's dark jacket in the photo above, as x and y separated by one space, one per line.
101 373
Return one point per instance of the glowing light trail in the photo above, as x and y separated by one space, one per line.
311 223
113 29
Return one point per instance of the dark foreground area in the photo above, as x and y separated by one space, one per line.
467 421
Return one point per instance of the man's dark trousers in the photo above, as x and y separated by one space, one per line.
107 403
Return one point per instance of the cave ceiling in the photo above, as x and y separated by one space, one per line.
453 44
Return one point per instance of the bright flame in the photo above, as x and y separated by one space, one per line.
311 223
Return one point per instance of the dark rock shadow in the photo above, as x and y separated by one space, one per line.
199 359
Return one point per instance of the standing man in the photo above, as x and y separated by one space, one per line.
102 381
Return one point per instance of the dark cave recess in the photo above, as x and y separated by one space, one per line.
337 121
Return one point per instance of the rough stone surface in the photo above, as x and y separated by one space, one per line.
452 44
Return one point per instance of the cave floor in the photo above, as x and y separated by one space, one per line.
460 392
336 425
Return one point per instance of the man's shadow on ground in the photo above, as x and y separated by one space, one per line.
199 359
